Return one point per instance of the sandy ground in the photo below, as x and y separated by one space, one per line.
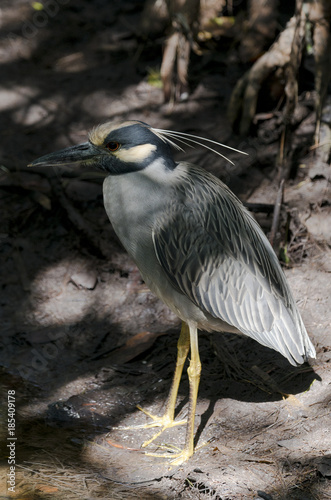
83 339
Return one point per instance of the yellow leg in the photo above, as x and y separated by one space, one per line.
167 420
194 372
183 347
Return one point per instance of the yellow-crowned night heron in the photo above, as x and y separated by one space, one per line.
196 246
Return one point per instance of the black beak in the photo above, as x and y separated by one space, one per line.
75 154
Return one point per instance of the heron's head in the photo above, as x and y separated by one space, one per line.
116 148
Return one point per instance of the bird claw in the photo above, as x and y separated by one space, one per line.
180 457
166 422
175 458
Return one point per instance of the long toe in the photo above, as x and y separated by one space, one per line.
174 458
165 421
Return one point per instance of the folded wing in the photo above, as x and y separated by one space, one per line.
213 251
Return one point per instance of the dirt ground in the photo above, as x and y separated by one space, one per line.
83 339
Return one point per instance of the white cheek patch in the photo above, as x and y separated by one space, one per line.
136 154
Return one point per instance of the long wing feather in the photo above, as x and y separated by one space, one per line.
215 253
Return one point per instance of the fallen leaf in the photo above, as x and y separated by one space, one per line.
45 488
135 346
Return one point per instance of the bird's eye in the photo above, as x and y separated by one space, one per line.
112 146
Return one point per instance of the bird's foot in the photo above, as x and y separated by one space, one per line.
174 454
165 422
